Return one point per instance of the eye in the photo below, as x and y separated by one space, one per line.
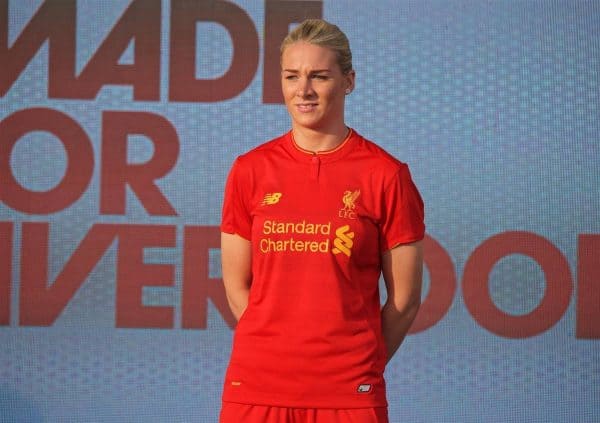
291 77
319 76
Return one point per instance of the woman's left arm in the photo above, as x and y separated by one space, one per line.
402 268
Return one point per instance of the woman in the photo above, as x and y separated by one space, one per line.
310 221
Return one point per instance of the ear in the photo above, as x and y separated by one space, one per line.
349 81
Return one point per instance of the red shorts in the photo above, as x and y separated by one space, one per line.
245 413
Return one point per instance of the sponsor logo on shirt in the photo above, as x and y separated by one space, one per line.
349 200
271 198
292 236
343 242
363 388
304 236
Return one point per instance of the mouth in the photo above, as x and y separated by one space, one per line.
306 107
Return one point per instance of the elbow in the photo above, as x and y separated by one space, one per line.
238 301
414 308
406 308
235 307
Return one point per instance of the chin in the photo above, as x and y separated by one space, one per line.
308 123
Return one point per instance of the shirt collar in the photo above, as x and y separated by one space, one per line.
326 156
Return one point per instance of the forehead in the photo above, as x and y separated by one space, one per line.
302 55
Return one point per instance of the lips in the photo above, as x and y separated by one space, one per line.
306 107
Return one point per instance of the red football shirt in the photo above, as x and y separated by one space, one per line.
318 223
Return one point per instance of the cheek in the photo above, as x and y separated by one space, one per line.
287 95
335 97
288 90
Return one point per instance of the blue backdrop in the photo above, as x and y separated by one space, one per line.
495 107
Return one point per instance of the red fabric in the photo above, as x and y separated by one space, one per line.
235 413
311 335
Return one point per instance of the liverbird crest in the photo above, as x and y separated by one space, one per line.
349 199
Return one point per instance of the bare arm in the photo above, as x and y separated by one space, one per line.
402 268
236 263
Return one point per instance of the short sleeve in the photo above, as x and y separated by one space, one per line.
236 216
402 212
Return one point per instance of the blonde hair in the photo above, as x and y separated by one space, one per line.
323 34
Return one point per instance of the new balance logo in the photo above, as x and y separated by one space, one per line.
343 242
364 388
271 198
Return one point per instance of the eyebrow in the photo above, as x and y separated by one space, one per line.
313 71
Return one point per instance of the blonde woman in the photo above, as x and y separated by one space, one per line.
310 221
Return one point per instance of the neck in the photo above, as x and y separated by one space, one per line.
318 140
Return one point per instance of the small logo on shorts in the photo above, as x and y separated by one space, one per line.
363 388
271 198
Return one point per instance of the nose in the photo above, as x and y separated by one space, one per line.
304 88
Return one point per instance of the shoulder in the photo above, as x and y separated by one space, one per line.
258 153
378 158
254 161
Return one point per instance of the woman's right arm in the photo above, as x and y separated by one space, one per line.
236 264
